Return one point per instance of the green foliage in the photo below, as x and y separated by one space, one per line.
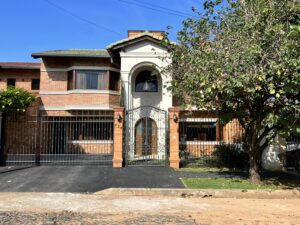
241 60
223 183
231 156
15 100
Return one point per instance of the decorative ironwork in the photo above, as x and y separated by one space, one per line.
143 152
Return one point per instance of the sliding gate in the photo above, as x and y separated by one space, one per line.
82 138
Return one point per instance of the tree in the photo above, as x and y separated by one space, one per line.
15 100
241 60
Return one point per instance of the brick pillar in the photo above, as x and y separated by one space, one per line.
174 137
118 136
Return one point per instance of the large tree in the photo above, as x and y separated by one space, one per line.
241 59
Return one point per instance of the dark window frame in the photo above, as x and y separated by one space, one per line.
199 131
142 78
112 80
33 87
13 81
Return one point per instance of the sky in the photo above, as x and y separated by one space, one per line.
38 25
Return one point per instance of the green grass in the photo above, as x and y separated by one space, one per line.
223 183
204 169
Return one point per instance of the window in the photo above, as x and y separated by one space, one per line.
91 80
146 82
114 81
70 80
91 131
198 131
11 82
35 84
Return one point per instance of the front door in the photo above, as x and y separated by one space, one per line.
145 138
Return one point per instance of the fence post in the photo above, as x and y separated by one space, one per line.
2 132
174 137
118 136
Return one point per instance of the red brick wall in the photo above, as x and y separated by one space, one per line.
23 77
90 148
80 99
58 81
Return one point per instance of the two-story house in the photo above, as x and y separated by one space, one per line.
79 116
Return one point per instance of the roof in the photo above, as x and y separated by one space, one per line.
130 40
90 53
19 65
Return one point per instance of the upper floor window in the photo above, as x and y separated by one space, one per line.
11 82
146 82
35 84
90 79
93 80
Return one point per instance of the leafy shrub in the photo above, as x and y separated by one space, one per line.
15 100
231 156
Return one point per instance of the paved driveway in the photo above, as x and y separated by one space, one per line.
84 178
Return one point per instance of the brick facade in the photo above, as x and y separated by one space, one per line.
118 136
174 137
23 78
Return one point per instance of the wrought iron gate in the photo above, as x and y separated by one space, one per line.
80 138
146 139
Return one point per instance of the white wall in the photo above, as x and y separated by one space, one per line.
134 59
144 55
270 158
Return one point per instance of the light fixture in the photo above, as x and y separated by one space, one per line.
175 118
119 117
146 86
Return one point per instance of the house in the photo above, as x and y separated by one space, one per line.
107 106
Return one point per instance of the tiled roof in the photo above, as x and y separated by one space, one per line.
19 65
144 34
93 53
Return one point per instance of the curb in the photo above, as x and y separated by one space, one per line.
202 193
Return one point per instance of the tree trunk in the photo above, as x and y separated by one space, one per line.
254 170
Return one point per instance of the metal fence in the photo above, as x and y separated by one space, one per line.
200 138
205 141
292 157
59 138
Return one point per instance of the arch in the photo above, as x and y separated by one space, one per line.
143 66
145 132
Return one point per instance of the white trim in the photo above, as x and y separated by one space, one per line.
198 120
201 142
75 107
79 68
79 91
90 142
142 54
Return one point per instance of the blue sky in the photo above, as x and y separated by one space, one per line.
36 25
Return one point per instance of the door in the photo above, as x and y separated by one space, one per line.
145 138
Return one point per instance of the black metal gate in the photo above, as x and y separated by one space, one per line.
75 138
146 137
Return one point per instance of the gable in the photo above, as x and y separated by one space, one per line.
145 47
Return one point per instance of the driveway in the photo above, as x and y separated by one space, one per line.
84 178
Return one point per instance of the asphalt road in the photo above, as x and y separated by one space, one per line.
84 178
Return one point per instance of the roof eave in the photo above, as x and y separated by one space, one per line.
20 67
40 55
120 45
